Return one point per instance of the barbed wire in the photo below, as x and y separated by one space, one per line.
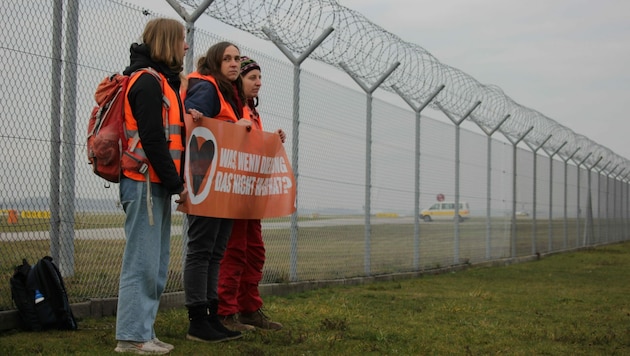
368 50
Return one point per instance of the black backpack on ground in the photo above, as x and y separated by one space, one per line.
40 296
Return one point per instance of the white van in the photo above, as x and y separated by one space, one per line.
445 211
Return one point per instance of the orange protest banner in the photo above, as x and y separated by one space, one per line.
234 173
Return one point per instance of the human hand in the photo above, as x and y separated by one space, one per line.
246 123
283 136
183 196
196 114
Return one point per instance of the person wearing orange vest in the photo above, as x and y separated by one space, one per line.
214 92
155 67
240 304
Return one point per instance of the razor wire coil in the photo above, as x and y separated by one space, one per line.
368 50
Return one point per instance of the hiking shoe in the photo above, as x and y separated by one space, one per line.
163 344
218 325
142 348
231 322
259 320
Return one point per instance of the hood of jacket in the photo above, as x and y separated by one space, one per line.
140 57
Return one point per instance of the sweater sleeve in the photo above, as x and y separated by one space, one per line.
145 98
202 96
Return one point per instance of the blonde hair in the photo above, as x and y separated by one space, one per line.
163 37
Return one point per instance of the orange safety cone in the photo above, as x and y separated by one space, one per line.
13 217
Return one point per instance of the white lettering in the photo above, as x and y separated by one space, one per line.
248 162
227 159
243 185
223 182
270 165
269 186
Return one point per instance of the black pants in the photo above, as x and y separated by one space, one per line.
207 240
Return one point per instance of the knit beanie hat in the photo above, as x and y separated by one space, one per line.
248 64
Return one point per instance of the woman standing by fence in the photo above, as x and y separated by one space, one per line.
240 304
146 199
214 91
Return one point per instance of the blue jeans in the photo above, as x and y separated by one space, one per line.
207 239
145 260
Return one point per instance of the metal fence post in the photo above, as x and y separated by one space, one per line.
489 134
550 237
578 164
368 154
416 229
513 219
296 131
65 258
599 199
607 202
615 210
190 20
55 129
535 185
588 225
565 224
457 134
625 209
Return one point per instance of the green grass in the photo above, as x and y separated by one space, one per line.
329 252
566 304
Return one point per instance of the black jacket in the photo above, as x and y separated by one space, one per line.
145 99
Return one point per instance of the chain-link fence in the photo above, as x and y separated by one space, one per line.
521 201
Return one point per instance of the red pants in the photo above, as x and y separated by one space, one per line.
241 269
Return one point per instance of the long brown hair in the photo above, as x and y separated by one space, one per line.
210 64
164 38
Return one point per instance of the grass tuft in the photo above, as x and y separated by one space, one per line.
566 304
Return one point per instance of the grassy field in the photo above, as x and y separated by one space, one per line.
565 304
326 252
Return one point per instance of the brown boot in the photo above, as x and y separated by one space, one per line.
259 320
215 321
232 323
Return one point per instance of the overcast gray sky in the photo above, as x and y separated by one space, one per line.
567 59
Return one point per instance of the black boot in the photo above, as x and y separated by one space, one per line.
200 328
213 319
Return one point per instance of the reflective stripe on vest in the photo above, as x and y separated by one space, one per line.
171 120
225 113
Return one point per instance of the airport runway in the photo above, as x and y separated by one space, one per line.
118 233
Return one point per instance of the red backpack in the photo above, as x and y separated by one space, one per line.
107 142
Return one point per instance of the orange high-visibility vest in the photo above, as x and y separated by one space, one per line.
225 113
173 127
249 115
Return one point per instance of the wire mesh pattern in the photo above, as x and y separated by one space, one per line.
369 50
51 202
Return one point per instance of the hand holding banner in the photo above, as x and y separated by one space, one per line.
231 172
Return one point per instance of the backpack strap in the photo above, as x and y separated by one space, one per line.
165 103
136 136
23 297
49 278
